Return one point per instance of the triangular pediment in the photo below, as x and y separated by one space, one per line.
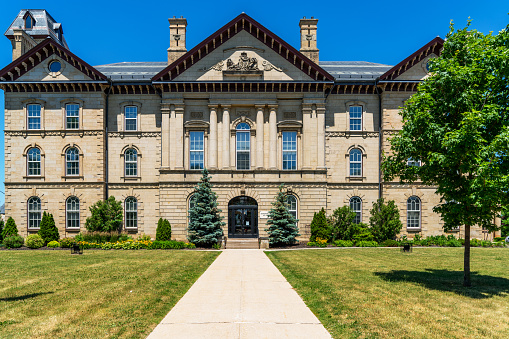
34 66
414 66
243 50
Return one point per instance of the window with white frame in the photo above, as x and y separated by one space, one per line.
243 148
413 212
72 162
131 118
355 118
72 116
355 163
356 206
291 200
131 162
131 212
196 150
289 150
34 162
413 162
34 116
34 212
72 212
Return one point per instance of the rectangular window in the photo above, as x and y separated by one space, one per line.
196 150
34 116
131 118
72 115
243 150
289 150
355 118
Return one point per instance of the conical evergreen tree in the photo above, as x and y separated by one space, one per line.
319 226
10 228
48 231
205 225
1 231
282 225
163 231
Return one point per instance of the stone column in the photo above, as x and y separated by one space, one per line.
226 136
213 137
259 136
165 135
306 135
273 136
178 124
320 133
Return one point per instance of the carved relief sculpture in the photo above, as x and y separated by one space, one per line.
245 64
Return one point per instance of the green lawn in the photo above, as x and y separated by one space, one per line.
100 294
380 293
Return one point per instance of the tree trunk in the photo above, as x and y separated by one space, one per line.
466 259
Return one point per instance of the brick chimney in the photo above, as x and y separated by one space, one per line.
308 38
177 38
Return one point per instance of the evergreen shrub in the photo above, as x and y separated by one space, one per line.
343 243
48 231
341 224
319 226
67 242
282 225
10 228
163 231
384 221
53 244
1 231
366 244
13 241
106 216
34 241
389 243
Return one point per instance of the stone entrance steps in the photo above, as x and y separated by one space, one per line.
242 243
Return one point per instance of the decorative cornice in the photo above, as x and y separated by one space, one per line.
350 134
140 135
61 133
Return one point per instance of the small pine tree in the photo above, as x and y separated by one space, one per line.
384 221
10 228
1 231
163 231
106 216
47 229
282 224
205 225
319 227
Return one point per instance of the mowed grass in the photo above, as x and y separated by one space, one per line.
100 294
383 293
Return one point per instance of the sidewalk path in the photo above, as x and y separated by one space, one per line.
241 295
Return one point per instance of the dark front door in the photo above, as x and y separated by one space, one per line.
242 218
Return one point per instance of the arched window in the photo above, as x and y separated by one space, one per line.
191 201
243 146
291 200
131 162
355 163
131 212
34 212
356 206
72 212
413 212
29 22
72 161
34 162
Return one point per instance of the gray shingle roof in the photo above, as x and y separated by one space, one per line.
354 70
44 25
128 71
341 70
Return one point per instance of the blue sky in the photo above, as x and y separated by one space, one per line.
102 32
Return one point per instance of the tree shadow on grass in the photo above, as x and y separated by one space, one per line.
483 286
24 297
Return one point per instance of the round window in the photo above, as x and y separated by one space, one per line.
55 66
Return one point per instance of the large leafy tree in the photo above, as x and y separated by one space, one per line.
457 124
205 225
106 216
282 228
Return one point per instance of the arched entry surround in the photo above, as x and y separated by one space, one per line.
242 217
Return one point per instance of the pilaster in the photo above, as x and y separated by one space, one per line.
273 136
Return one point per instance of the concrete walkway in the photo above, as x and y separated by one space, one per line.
241 295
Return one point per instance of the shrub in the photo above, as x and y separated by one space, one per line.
475 243
189 245
341 223
66 242
319 227
102 237
48 231
453 243
106 216
1 230
384 221
168 245
361 232
389 243
163 231
10 228
34 241
53 244
486 243
318 243
343 243
367 244
13 241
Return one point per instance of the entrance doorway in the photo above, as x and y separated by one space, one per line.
242 218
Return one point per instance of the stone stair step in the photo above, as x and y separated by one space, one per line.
234 243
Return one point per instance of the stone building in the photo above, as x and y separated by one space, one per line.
243 103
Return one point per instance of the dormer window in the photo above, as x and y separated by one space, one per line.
29 21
